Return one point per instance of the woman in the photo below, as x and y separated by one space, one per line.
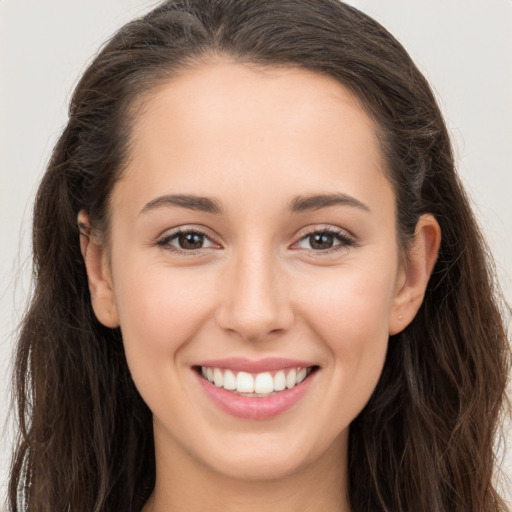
259 282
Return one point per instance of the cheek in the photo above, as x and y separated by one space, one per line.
160 311
160 308
349 315
350 304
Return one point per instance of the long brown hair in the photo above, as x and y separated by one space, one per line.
424 442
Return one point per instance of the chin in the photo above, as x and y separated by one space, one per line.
260 468
261 457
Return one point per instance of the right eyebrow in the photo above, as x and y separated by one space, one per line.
190 202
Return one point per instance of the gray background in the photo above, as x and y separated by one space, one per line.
463 46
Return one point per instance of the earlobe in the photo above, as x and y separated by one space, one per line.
414 276
98 273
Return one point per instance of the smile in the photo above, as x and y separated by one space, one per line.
255 385
255 390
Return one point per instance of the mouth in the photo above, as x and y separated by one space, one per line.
255 385
255 389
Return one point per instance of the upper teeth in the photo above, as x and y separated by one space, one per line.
256 384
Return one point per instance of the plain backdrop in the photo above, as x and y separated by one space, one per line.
464 47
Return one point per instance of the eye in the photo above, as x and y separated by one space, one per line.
325 240
186 241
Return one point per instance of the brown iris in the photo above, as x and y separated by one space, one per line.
321 241
191 240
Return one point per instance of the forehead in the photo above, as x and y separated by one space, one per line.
226 94
224 127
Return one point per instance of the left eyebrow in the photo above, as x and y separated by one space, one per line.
316 202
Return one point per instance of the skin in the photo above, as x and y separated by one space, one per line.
254 139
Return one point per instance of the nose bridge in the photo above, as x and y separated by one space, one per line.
255 301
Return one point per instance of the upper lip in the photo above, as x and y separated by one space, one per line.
267 364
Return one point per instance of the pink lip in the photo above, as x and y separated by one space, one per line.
241 364
255 408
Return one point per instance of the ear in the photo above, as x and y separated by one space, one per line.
415 273
99 277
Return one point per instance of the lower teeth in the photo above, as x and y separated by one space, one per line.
259 395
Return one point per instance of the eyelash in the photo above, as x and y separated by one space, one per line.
344 240
164 242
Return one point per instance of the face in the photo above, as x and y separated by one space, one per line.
253 241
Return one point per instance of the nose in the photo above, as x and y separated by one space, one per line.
255 304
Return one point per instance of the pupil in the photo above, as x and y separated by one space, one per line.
191 241
321 241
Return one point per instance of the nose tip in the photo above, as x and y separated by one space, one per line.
253 327
255 305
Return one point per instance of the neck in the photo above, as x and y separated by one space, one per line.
183 483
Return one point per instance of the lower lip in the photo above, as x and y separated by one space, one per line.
255 408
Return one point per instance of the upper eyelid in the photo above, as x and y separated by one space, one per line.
172 232
167 236
304 232
205 231
343 237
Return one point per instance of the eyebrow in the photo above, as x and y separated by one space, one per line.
319 201
190 202
298 204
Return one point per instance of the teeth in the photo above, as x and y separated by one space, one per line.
261 384
229 380
218 377
291 379
264 383
301 375
244 382
279 381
